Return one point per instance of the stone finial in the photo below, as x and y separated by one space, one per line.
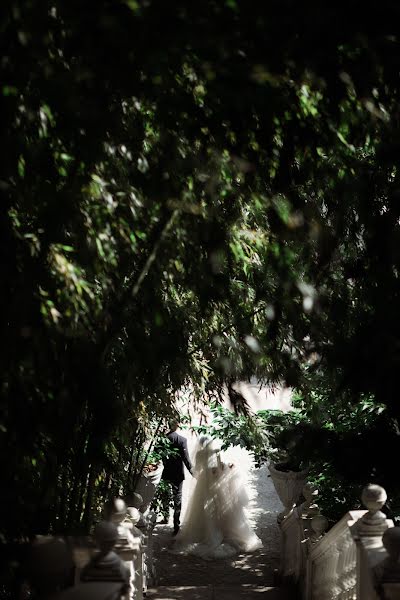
134 515
319 524
373 497
309 508
117 514
116 510
388 570
310 491
134 499
373 523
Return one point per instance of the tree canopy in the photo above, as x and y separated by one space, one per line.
191 194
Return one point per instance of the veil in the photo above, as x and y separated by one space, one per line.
206 454
214 524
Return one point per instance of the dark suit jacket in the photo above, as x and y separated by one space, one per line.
173 466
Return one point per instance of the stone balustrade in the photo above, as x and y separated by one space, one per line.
129 544
116 562
357 559
50 567
145 524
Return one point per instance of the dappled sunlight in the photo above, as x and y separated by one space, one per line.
215 524
207 592
254 568
182 592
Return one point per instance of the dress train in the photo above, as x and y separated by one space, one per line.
215 524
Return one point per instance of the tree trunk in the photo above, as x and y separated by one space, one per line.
87 514
60 522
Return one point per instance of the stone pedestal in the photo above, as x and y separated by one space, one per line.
387 571
128 545
149 570
106 565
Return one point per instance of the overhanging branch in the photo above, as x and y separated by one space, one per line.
136 280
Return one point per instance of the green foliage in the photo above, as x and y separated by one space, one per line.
341 441
163 500
234 430
182 219
262 433
330 439
162 449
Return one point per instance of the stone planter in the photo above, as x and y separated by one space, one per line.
288 486
147 486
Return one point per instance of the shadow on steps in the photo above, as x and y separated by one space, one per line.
220 592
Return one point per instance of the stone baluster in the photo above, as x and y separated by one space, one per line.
145 525
340 564
138 520
106 565
315 523
347 570
331 580
147 529
309 508
128 546
314 526
306 511
322 575
319 524
321 578
134 517
291 552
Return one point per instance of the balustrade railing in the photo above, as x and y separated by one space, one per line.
357 559
331 563
115 563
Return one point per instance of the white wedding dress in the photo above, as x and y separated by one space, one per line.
215 524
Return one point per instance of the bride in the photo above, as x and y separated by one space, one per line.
215 524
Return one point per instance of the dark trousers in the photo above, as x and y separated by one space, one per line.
177 497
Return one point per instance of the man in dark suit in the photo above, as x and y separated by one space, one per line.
173 469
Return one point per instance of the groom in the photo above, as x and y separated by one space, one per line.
173 469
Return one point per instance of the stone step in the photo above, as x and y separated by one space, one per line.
218 592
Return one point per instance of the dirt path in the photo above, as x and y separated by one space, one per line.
243 577
249 569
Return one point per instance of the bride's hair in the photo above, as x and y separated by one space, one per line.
209 445
204 440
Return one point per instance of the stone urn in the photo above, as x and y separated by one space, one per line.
147 484
288 486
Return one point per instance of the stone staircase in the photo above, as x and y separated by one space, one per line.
243 577
219 592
